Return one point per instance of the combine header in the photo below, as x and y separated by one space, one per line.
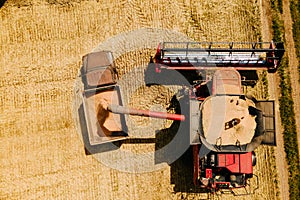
187 57
225 125
242 56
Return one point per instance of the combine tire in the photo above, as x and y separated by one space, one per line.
253 158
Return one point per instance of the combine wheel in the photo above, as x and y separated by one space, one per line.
232 178
251 98
253 158
272 70
249 77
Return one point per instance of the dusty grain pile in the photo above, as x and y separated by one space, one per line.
42 156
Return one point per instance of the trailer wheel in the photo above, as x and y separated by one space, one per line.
253 158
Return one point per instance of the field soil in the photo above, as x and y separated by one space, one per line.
42 42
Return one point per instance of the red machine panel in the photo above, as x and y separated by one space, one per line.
236 163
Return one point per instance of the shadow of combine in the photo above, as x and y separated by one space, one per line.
182 166
172 146
182 174
2 2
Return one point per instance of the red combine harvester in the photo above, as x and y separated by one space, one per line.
225 126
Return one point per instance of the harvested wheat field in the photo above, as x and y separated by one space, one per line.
42 42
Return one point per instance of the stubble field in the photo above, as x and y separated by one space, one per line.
42 156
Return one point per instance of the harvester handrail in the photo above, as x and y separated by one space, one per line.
230 44
221 50
209 47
